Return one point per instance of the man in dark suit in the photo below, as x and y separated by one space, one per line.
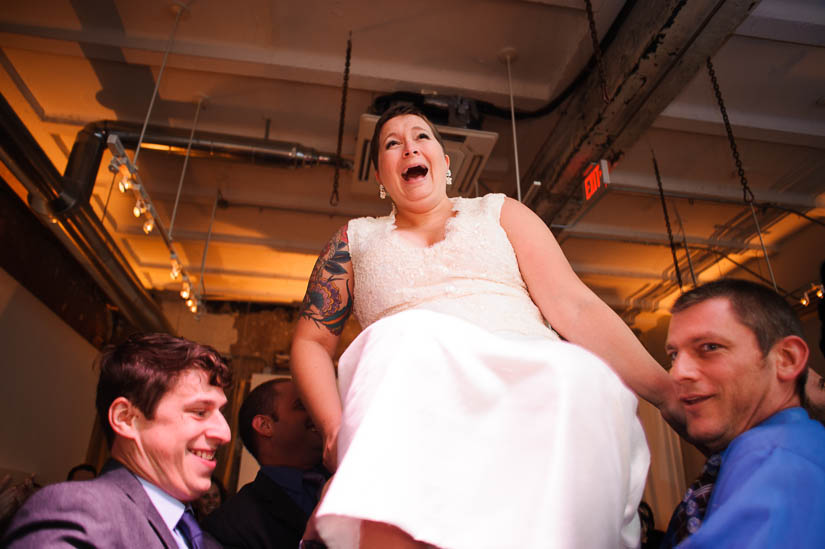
272 511
159 399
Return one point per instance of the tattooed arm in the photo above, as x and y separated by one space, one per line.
327 305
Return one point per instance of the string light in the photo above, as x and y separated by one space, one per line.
140 207
176 268
123 166
125 184
816 289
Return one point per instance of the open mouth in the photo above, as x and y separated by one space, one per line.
415 172
208 455
693 399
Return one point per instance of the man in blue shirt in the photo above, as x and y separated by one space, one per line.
739 362
272 511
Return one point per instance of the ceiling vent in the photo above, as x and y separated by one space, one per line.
468 151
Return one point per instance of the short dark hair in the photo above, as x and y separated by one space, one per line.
389 114
260 401
766 313
144 367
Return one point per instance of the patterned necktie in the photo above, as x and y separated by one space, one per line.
190 530
687 518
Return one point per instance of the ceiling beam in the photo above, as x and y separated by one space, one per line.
630 236
710 192
658 49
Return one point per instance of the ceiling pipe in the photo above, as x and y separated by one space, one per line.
64 202
91 141
88 148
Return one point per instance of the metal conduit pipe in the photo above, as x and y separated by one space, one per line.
65 200
87 152
91 141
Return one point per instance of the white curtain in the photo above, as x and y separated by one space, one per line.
666 478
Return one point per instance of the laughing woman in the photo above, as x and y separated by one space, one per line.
459 417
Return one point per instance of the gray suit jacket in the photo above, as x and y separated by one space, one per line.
111 511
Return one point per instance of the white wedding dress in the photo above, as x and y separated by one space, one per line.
467 422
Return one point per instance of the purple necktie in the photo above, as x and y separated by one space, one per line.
190 530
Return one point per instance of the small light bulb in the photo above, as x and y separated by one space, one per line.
125 184
175 272
190 302
804 300
184 293
149 225
819 293
140 207
194 308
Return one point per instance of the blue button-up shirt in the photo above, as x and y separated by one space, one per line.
770 491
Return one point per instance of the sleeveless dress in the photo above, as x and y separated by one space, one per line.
466 422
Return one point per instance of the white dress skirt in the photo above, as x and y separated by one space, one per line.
466 422
510 445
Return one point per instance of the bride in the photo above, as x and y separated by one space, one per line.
459 417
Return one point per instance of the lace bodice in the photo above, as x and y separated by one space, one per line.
472 273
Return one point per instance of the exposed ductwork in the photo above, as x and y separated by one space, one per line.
87 152
91 142
64 200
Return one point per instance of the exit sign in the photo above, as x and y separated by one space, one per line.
596 177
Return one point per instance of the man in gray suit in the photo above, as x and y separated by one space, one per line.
158 399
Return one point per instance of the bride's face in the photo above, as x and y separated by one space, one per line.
412 165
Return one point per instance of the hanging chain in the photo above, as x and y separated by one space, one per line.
667 219
597 50
747 194
333 198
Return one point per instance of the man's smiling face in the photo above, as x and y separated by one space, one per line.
724 381
176 448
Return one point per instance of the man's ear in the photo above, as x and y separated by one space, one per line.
122 416
262 425
790 356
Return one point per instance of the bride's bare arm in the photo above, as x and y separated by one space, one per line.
326 308
579 315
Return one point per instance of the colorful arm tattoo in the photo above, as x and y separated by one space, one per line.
323 302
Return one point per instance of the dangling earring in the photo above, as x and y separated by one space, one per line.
382 192
449 177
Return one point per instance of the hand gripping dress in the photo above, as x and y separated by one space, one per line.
467 423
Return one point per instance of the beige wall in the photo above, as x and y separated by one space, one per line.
47 388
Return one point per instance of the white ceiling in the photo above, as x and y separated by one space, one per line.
259 64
